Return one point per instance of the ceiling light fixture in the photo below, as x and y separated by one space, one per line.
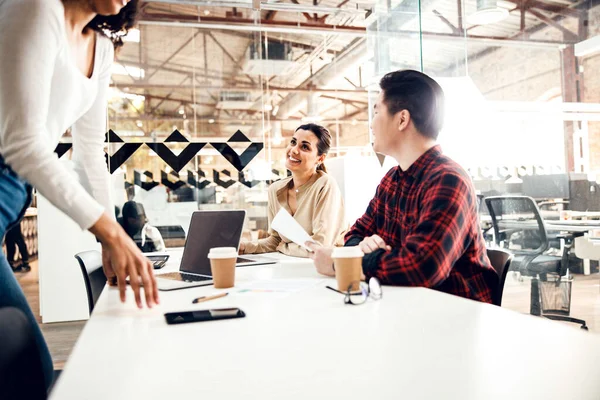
488 12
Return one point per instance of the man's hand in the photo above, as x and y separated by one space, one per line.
122 258
111 277
322 258
372 243
242 248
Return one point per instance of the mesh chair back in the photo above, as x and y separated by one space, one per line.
518 225
93 275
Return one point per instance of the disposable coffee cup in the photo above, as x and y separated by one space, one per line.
347 262
222 265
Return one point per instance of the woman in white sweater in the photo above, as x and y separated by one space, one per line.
55 68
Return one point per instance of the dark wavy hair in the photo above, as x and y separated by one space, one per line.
116 26
324 140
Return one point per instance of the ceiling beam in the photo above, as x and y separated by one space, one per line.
165 62
179 71
175 99
163 99
192 5
306 15
344 100
357 112
561 9
582 4
235 62
459 15
568 34
238 88
249 25
271 15
449 24
178 118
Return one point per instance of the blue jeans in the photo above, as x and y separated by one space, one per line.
15 197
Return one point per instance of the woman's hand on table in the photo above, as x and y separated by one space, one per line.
121 258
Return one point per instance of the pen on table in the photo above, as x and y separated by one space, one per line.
206 298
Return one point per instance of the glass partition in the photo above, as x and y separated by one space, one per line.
522 110
202 110
205 98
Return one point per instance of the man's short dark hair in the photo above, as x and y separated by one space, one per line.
420 95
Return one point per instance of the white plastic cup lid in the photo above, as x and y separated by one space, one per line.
347 252
222 252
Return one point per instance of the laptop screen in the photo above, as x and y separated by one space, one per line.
210 229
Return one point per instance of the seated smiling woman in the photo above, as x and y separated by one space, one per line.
310 195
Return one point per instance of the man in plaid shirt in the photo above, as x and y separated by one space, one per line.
421 229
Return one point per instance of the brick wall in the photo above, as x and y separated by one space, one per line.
513 74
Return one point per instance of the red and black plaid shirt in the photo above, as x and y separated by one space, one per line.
428 215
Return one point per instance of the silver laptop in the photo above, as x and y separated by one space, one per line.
208 229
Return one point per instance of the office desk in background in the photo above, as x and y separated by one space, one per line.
414 343
552 225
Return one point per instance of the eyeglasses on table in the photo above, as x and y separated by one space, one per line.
358 292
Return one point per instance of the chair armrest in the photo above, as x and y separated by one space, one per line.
570 235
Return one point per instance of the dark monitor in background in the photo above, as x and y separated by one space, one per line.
207 195
585 194
184 194
555 186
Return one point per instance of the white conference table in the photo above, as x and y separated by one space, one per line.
415 343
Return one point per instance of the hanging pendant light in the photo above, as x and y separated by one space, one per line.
488 12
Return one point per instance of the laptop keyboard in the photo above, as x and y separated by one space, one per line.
182 276
243 260
193 278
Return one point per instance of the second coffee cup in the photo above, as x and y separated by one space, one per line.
347 262
222 266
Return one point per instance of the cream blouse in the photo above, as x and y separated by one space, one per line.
320 211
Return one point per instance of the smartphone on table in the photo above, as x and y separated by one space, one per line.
203 315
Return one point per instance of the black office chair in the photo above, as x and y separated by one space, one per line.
484 223
500 260
93 275
519 228
21 371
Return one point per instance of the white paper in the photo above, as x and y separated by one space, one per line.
287 226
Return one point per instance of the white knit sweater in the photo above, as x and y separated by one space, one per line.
42 94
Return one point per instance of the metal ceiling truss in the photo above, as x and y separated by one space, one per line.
305 28
236 25
294 7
